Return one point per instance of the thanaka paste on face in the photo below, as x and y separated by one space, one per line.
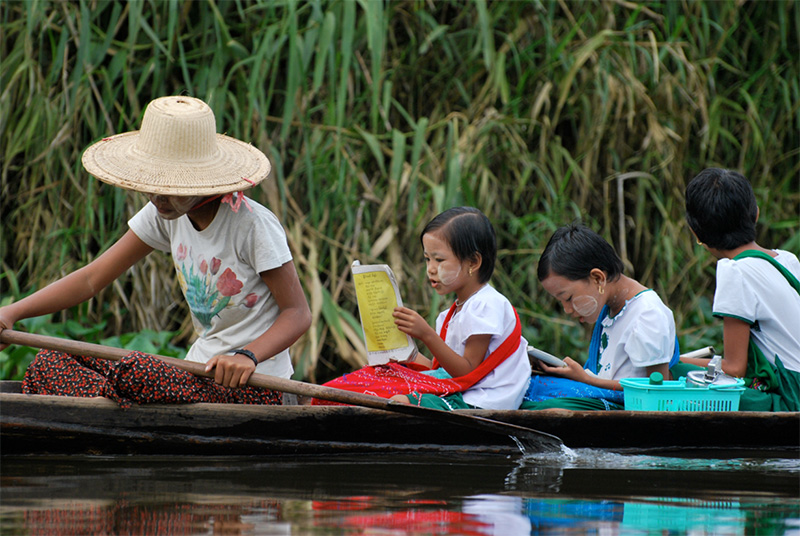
585 306
447 275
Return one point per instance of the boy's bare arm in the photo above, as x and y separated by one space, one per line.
294 317
736 340
80 285
698 361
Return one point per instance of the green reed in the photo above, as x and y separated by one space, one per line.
377 116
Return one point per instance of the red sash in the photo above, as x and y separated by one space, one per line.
402 379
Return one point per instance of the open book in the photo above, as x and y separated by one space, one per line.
377 296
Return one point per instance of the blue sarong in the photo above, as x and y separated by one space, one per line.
542 388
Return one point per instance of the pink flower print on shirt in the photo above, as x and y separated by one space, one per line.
205 296
251 300
227 284
215 264
181 252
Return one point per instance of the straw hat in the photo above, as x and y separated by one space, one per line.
177 152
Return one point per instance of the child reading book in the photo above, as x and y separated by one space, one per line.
479 354
634 331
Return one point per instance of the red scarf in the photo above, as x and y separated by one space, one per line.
403 379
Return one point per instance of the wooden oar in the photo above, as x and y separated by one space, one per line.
264 381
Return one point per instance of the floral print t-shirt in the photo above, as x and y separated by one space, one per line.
219 272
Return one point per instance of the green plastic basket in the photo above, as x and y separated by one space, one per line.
673 395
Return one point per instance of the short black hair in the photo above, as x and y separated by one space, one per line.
468 232
574 250
721 208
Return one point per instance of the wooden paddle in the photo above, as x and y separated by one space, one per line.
541 439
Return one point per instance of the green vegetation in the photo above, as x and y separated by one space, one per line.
377 116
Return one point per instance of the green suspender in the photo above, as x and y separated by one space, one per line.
760 374
781 268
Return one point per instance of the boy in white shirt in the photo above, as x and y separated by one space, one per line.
757 294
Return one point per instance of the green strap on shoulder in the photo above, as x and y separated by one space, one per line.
781 268
761 374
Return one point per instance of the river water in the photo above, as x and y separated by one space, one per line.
569 492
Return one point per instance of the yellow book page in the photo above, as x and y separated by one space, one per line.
376 301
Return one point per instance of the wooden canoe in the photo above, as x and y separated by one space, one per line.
38 424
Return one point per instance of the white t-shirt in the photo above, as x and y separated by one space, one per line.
487 312
498 515
754 291
642 334
219 272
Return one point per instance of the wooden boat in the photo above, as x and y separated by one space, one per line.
38 424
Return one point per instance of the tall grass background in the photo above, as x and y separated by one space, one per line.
378 115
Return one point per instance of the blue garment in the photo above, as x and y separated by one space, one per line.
543 388
592 364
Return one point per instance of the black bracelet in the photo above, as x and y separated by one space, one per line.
248 353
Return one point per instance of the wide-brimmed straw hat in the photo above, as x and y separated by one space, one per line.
177 152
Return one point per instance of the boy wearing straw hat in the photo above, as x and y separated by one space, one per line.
230 253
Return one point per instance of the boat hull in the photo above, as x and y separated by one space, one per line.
38 424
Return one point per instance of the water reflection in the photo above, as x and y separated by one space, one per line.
553 493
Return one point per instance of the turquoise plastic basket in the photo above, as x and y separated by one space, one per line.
673 395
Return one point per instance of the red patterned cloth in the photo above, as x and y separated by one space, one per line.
392 379
136 378
121 516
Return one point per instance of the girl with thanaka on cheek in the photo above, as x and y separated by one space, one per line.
479 355
634 332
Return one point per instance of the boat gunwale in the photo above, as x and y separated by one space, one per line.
245 428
